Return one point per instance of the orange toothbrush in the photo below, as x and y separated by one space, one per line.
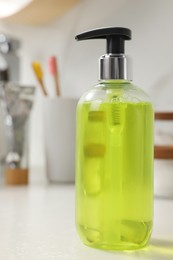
54 71
39 75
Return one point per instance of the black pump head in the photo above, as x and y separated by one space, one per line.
114 64
115 37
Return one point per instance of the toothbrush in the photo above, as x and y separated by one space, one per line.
39 75
54 71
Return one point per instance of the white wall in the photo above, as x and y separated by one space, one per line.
151 49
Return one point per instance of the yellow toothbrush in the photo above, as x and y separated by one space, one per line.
39 75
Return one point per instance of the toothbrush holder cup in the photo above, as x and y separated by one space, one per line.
59 135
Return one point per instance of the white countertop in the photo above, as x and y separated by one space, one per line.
37 223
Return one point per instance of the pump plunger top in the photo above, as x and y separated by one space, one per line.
115 37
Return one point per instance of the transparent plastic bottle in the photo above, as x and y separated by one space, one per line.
114 166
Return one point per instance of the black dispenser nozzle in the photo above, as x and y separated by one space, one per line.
113 64
115 37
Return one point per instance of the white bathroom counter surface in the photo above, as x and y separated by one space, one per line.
37 223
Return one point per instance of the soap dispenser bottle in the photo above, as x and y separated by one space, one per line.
114 159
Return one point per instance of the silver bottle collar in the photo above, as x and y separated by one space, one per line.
114 66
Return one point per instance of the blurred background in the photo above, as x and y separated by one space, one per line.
41 34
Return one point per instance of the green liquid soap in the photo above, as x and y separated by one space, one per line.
114 159
114 178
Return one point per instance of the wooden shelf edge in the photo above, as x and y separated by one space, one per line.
163 115
163 152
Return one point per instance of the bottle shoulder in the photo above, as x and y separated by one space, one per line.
121 91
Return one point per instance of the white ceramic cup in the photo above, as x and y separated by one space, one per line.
59 132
